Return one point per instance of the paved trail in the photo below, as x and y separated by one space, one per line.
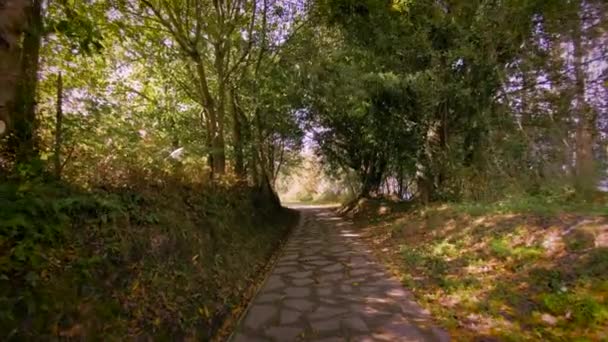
326 286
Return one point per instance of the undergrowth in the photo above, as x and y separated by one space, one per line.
507 272
115 263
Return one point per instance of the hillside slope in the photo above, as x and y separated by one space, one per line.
490 275
164 261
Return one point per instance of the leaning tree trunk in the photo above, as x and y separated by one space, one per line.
13 22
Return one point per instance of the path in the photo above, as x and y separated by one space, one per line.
326 286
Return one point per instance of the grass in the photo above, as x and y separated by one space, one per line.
508 272
538 205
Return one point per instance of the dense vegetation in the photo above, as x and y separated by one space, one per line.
143 141
452 100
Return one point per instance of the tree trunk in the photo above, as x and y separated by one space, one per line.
23 140
423 184
219 145
585 169
219 150
214 111
400 182
427 166
255 173
58 127
373 174
279 164
13 22
270 159
259 149
237 138
206 125
525 120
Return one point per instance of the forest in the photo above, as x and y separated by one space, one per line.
145 145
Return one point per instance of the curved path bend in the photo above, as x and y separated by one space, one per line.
327 286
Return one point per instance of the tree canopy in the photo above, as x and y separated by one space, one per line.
427 99
461 99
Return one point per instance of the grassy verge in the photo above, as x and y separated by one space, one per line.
172 261
500 272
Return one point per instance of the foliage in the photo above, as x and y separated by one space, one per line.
456 100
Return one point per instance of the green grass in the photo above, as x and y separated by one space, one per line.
538 205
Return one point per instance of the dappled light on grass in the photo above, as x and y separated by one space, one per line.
499 276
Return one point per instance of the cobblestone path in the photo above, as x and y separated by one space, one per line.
326 286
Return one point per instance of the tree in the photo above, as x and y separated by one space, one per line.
13 23
457 109
211 35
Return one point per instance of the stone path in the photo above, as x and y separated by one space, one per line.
326 286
